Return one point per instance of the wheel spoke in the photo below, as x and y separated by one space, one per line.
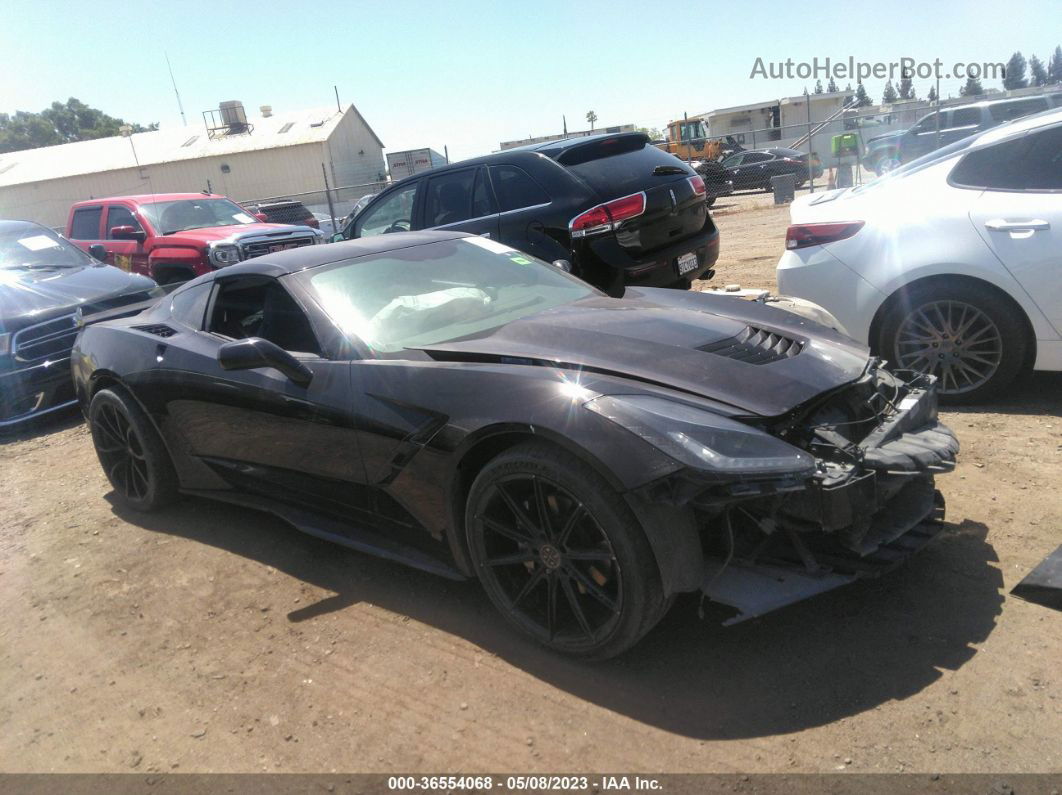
569 525
591 587
511 533
577 609
529 586
600 555
518 512
542 508
523 556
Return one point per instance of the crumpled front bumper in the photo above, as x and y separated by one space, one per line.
850 523
35 390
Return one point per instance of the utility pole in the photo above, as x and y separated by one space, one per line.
180 107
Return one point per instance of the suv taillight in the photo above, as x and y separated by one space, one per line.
604 217
804 235
697 183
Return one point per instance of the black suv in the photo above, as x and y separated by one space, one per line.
619 210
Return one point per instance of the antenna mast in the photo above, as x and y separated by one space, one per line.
180 107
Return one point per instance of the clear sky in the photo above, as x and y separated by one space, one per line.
472 74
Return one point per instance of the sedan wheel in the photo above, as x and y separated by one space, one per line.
966 338
132 455
567 564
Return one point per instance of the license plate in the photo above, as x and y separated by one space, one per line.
687 263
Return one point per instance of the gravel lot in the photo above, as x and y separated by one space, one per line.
212 638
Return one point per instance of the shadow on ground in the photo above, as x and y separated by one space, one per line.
1032 394
834 656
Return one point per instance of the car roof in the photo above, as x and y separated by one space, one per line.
150 198
298 259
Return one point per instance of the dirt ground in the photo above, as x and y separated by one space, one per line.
212 638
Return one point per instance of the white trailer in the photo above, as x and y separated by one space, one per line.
412 161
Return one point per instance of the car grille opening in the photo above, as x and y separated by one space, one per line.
257 248
50 339
158 329
755 346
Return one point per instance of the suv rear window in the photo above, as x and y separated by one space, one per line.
618 171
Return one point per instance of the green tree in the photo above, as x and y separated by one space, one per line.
972 88
832 86
591 117
61 123
890 95
1037 72
818 87
653 133
862 99
1054 67
932 95
906 88
1014 76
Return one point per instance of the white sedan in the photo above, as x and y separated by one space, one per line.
952 264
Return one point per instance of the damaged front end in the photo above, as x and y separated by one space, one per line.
857 499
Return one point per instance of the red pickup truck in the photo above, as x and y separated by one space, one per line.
172 237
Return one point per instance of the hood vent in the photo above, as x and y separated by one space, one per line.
756 346
158 330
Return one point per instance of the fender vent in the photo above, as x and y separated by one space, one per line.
756 346
158 330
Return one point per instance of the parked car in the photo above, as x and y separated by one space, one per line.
48 288
450 402
173 237
948 265
959 122
616 208
286 211
753 169
717 180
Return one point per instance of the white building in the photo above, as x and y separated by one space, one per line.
281 154
774 122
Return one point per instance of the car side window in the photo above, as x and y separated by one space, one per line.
927 124
756 157
86 223
515 188
734 160
965 117
261 307
482 200
188 306
1005 111
393 214
117 215
1032 162
449 198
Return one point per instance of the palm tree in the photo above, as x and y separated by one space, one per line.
591 117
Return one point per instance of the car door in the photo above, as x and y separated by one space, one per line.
393 211
922 138
1019 214
525 207
85 226
129 255
459 200
257 431
750 173
962 122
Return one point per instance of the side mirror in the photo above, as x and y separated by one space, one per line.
98 251
563 264
338 237
255 352
128 233
262 217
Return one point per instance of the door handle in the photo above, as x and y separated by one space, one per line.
999 225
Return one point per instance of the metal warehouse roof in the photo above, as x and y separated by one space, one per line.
168 145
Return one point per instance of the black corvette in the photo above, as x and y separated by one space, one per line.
443 400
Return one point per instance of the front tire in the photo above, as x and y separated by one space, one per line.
560 554
131 452
968 338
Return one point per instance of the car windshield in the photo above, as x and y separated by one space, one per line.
178 216
424 295
29 246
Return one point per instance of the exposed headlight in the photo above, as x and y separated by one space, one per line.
703 440
224 254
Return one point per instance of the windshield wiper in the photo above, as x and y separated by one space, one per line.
664 171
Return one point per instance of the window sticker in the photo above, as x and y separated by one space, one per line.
243 218
38 242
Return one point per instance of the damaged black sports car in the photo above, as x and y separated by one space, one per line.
446 401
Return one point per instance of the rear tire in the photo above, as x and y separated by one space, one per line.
560 554
973 342
131 452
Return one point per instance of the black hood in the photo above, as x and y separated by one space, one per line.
758 359
32 296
